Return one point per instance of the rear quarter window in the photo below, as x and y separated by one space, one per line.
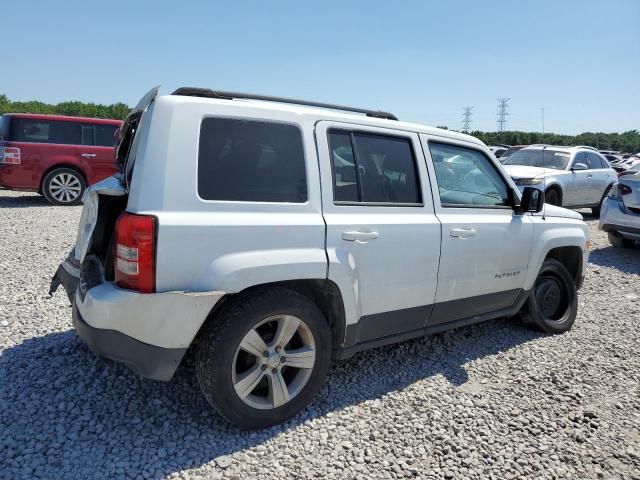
251 161
5 125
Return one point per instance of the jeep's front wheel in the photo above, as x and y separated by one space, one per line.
552 305
264 357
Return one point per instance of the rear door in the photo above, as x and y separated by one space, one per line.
602 176
383 238
485 245
578 191
98 150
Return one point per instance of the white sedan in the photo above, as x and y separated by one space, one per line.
575 177
620 216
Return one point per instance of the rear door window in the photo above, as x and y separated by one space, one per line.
373 168
594 161
66 133
251 161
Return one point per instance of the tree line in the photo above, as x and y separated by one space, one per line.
623 142
72 108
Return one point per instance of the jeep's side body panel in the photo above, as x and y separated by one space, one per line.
226 246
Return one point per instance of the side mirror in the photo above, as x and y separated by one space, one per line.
579 166
532 200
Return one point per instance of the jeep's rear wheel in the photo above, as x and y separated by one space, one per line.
263 358
552 305
63 186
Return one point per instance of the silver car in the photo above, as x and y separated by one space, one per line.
620 216
574 177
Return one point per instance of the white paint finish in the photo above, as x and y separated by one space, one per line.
494 259
397 269
553 232
224 246
169 320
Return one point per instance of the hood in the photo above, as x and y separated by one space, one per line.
554 211
526 171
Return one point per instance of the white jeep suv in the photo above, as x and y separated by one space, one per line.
276 236
575 177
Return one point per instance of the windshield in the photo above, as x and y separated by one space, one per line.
539 158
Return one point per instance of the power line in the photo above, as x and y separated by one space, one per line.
466 119
502 113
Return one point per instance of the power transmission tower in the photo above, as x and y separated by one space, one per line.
466 119
502 113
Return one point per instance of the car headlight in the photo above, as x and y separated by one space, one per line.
528 181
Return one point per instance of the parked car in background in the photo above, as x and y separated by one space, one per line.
630 171
620 215
512 149
576 177
627 163
56 156
498 150
291 235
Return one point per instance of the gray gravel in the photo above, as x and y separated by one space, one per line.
488 401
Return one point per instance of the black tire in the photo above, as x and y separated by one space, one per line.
595 211
552 305
216 354
553 197
618 241
63 186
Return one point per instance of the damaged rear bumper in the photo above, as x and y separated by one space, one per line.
146 360
148 332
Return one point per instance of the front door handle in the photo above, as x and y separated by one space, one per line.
462 232
87 155
359 236
589 175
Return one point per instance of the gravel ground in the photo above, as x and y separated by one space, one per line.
488 401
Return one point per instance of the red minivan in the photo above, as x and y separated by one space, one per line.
54 155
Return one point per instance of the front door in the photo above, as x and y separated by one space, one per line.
485 244
383 238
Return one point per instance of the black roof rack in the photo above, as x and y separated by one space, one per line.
208 93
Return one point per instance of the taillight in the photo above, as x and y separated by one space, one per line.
623 189
135 252
10 155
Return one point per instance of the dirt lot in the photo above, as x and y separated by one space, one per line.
487 401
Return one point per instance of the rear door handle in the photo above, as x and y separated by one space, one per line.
462 232
87 155
589 175
359 236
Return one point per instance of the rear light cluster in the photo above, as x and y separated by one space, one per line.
624 189
135 252
10 155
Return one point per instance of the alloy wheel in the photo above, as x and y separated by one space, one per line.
273 362
65 187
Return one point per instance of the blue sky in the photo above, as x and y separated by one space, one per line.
422 60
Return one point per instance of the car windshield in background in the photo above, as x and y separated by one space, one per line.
539 158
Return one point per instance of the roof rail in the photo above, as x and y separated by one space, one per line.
208 93
586 146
